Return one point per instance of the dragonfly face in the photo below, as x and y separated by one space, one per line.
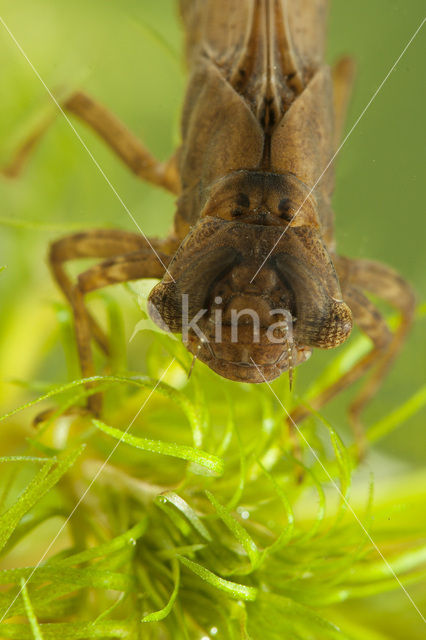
249 323
247 332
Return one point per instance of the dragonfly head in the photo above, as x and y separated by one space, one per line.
248 323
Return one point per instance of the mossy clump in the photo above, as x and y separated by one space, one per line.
191 510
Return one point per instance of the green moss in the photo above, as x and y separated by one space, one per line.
194 518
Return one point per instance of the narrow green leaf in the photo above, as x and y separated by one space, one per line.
44 596
188 512
345 359
235 590
73 630
44 480
88 577
120 542
30 612
318 626
156 616
138 381
320 515
287 534
107 612
22 459
344 466
241 534
10 518
187 549
232 428
398 416
183 452
397 564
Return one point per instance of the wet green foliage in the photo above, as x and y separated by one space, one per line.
203 516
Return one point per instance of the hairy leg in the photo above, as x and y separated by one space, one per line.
122 141
95 243
343 81
380 280
129 258
385 283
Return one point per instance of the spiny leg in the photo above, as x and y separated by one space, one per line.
343 81
372 323
122 141
95 243
137 262
388 285
132 266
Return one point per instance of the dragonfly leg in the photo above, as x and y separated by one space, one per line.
122 141
386 284
380 280
129 258
343 80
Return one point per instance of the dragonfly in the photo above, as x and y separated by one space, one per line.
250 274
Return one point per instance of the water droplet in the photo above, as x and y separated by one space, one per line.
243 512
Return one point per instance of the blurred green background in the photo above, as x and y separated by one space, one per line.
128 55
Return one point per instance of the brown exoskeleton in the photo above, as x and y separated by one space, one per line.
253 230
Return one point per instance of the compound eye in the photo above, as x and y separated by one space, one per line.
286 209
243 200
